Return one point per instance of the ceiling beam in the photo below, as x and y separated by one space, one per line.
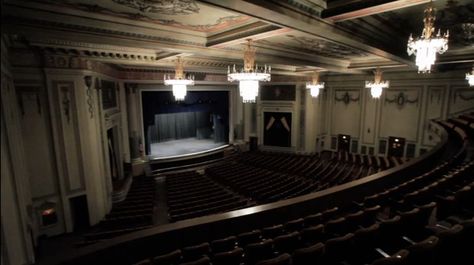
53 37
366 8
255 31
273 13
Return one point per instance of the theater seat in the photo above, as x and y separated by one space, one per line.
223 244
196 251
449 245
258 251
201 261
309 255
339 248
249 237
283 259
171 258
143 262
399 258
287 243
365 240
294 225
233 257
312 235
272 231
423 252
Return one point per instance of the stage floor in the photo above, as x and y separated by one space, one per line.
181 147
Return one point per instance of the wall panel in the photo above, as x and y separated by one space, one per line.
401 113
346 110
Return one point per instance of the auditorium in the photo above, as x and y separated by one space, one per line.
237 132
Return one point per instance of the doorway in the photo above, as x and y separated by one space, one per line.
396 146
80 213
343 143
277 131
112 150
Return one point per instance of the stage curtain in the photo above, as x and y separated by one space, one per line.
173 126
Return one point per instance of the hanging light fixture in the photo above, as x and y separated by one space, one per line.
377 85
426 46
249 76
470 77
315 86
180 81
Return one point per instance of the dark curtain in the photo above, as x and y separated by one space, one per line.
277 131
174 126
179 120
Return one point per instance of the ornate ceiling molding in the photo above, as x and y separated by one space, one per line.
326 48
183 14
100 31
166 7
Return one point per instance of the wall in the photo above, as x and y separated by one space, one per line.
62 127
403 110
17 220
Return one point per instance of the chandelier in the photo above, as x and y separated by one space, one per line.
180 81
314 86
426 46
470 77
249 76
377 85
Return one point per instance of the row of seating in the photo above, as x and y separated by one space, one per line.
261 177
136 212
387 227
190 194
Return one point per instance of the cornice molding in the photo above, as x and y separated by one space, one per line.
101 31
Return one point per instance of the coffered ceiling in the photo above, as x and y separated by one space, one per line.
296 37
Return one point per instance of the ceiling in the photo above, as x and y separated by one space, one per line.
295 37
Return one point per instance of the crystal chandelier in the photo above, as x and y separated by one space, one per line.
426 46
249 76
470 77
314 86
377 85
180 81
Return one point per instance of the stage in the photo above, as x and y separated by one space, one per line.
183 147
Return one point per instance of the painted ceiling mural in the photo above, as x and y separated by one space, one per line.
183 14
165 7
313 45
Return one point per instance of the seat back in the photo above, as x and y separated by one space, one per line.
313 219
338 248
309 255
259 251
287 243
249 237
390 228
233 257
294 225
353 220
171 258
204 260
312 235
196 251
426 211
224 244
396 259
283 259
271 232
370 215
335 226
423 252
